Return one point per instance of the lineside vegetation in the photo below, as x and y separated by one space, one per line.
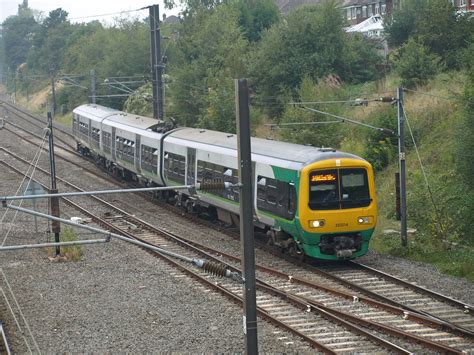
303 56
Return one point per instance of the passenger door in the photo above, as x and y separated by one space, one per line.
191 167
114 144
138 154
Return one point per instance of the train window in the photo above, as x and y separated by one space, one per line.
95 136
354 188
210 171
124 149
276 196
174 167
149 157
106 141
338 189
83 130
324 190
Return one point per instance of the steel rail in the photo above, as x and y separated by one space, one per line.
413 316
429 321
46 149
302 305
465 306
34 134
110 226
329 313
263 286
375 296
384 299
24 112
385 328
411 311
395 310
188 244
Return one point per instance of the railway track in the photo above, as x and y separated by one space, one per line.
454 336
32 119
336 339
414 298
125 223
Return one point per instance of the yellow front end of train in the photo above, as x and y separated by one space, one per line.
337 208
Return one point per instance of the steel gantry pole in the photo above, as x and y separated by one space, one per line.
53 95
401 160
93 86
56 227
156 62
246 215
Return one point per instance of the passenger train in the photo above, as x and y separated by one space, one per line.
317 202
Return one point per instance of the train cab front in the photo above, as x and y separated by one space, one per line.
337 208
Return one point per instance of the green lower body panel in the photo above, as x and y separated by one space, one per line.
311 244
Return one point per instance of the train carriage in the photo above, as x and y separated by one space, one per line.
319 202
86 125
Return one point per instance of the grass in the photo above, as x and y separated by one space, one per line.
65 120
433 121
73 252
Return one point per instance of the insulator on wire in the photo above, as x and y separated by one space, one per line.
221 270
213 185
387 99
214 269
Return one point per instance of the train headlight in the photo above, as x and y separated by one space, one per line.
364 220
317 223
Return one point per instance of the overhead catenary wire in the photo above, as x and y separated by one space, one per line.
353 101
290 125
107 14
33 165
425 177
21 313
10 308
341 119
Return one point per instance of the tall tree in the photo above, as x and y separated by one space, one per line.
310 42
257 16
203 68
17 33
435 24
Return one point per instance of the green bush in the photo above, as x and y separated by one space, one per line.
416 64
381 148
71 252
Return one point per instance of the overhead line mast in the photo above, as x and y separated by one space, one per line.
156 62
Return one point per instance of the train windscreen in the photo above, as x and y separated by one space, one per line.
338 189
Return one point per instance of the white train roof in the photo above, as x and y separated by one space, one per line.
94 112
200 138
269 148
112 117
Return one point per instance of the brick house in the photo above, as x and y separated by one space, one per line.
357 11
463 5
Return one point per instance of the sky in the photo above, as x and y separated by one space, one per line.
80 10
